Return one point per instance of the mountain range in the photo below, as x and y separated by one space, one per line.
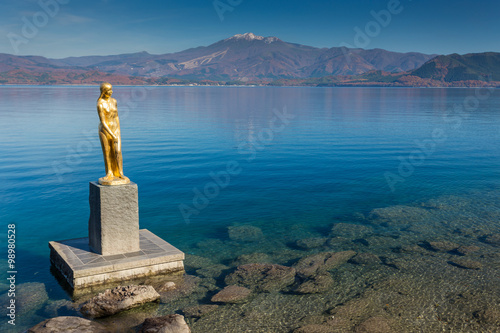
247 58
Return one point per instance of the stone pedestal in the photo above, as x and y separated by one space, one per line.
114 219
83 269
116 250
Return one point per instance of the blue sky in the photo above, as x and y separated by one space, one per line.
104 27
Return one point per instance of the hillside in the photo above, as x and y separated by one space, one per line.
455 67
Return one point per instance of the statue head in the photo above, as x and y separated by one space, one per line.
105 87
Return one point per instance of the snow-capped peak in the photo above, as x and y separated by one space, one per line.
250 36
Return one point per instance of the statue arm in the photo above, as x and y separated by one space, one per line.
105 125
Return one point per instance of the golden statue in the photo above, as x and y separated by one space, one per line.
111 142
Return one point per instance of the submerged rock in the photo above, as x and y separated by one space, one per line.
493 239
316 263
465 250
365 259
350 230
184 288
466 263
490 316
199 311
317 284
246 233
167 286
60 307
213 271
193 262
315 328
409 249
231 294
30 296
398 216
262 277
118 299
442 246
311 243
173 323
68 325
374 325
253 258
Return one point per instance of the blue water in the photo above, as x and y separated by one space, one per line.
329 159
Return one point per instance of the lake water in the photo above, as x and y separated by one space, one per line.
304 159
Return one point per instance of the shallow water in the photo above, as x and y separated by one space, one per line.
325 164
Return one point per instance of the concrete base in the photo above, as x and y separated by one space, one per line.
114 218
82 268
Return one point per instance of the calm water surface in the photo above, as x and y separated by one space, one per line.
330 158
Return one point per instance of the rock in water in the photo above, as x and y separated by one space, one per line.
118 299
30 296
493 239
317 284
168 286
398 216
231 294
374 325
315 328
246 233
185 288
311 243
365 259
173 323
442 246
68 325
349 230
466 263
321 262
262 277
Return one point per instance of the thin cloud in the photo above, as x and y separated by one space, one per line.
70 19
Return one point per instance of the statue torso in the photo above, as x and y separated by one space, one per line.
110 112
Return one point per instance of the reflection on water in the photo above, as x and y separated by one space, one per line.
429 248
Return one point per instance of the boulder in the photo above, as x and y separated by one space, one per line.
311 243
118 299
262 277
493 239
232 294
466 263
317 284
173 323
320 262
465 250
442 246
245 233
68 325
365 259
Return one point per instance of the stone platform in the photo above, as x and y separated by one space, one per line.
82 268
